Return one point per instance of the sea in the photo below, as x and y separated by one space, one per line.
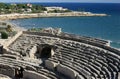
107 27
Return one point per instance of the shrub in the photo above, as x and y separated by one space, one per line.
4 35
9 28
3 23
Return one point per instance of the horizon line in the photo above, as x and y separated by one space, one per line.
60 2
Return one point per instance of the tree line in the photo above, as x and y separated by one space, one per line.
20 8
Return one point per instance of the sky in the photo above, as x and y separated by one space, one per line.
88 1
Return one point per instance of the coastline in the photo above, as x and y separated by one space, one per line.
14 16
13 25
37 15
6 17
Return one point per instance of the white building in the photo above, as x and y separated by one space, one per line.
29 10
55 8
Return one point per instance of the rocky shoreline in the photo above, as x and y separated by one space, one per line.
36 15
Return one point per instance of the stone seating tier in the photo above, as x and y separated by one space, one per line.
89 59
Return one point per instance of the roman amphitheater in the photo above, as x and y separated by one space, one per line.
37 55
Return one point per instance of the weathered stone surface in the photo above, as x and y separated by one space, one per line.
79 77
70 51
10 56
8 72
66 71
118 75
33 75
33 51
30 68
52 52
50 65
4 76
2 66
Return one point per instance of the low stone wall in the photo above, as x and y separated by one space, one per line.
33 75
13 39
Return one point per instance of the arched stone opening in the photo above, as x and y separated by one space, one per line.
46 52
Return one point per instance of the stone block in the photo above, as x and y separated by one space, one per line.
66 71
50 65
118 75
33 51
8 72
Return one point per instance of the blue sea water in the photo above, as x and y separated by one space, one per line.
101 27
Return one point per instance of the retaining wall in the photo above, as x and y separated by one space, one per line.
13 39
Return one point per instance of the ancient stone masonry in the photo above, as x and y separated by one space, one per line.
1 49
44 56
27 44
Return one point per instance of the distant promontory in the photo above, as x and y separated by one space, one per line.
17 11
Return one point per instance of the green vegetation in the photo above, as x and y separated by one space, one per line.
13 33
4 35
9 34
36 29
26 8
3 23
9 28
37 9
20 8
59 11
